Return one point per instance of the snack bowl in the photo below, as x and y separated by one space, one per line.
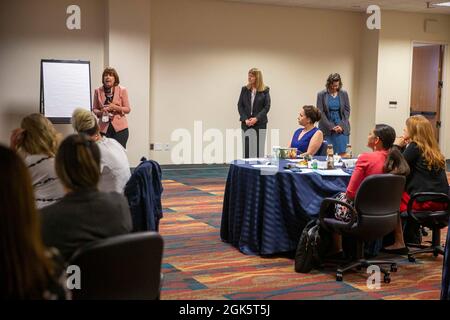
288 153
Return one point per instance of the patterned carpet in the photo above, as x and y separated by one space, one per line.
197 265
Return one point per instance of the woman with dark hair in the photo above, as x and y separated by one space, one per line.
253 106
27 269
84 214
308 139
111 106
334 104
383 159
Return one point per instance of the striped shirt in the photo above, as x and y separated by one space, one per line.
46 185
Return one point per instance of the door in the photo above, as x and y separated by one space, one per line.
427 83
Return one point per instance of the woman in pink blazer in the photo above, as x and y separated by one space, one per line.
111 105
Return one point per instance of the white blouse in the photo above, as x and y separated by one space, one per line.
253 100
114 166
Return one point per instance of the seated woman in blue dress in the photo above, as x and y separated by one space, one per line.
308 139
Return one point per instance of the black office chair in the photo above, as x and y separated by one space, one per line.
122 267
374 215
434 220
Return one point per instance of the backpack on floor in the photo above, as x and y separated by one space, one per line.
312 246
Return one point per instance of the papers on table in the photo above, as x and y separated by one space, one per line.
304 171
253 159
264 166
332 173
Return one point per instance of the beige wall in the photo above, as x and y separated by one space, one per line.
367 91
201 52
398 32
128 50
113 32
35 30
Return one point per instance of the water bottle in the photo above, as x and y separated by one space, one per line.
314 164
330 157
349 152
276 156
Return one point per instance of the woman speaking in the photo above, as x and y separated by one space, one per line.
111 106
253 106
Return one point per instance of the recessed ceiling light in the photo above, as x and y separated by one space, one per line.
442 4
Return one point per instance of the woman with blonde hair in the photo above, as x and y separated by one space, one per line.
427 165
114 165
37 141
253 106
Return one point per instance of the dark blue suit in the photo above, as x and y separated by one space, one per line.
254 137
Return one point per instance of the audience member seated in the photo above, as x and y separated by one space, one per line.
421 151
27 269
37 141
84 214
308 139
383 159
114 166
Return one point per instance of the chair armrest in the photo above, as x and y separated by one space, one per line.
441 196
327 202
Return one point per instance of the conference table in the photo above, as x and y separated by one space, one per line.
445 289
265 207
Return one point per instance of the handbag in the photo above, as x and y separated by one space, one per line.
313 244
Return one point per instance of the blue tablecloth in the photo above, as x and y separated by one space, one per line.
445 292
265 214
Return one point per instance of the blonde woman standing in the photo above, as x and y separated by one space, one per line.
37 141
253 106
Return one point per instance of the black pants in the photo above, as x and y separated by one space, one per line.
121 136
253 141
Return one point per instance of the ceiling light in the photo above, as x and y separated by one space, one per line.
442 4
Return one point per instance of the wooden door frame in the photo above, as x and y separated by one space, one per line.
444 114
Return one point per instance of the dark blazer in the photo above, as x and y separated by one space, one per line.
325 123
82 217
420 178
144 191
261 106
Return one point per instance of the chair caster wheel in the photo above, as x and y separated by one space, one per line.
435 254
339 277
387 279
394 268
411 259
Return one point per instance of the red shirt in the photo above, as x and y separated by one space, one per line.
367 164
